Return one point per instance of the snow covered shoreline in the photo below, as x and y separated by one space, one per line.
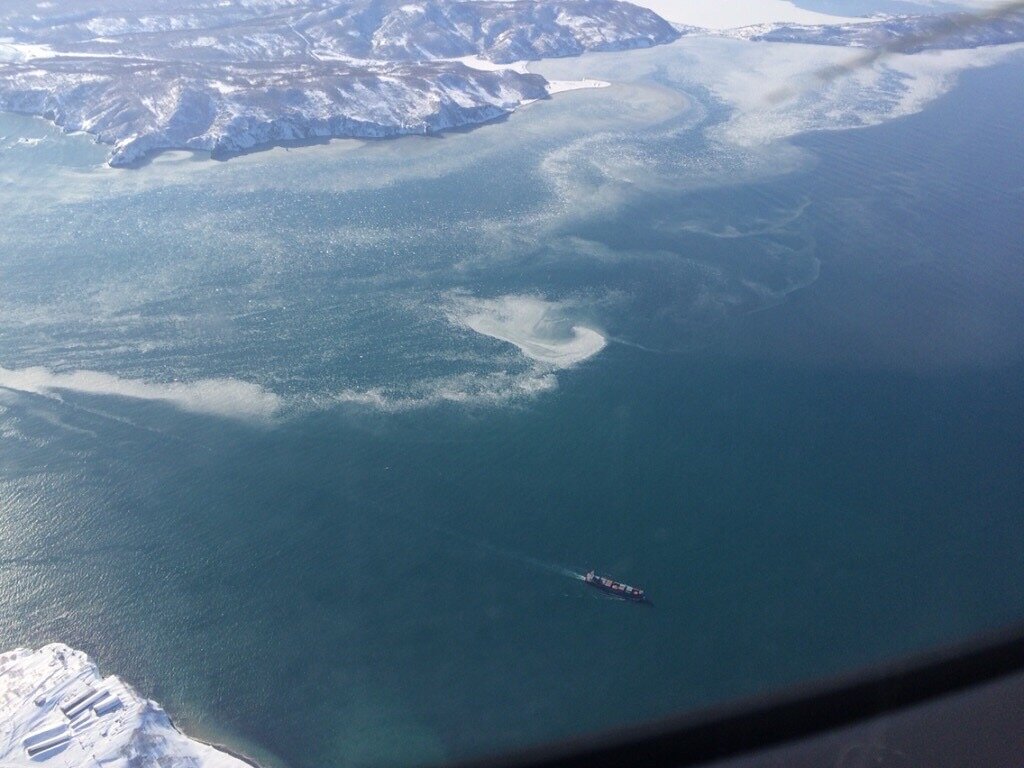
57 710
732 14
229 76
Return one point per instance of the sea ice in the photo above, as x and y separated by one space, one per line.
228 398
540 329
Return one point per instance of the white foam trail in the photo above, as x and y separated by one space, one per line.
539 328
487 546
467 389
227 398
553 567
641 347
757 226
55 420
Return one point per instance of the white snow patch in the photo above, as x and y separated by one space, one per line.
729 14
561 86
56 710
486 65
12 51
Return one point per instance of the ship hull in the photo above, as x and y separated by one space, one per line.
616 589
614 593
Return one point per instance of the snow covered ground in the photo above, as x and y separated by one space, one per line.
729 14
523 67
561 86
228 77
56 710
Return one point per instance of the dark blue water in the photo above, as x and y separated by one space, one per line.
821 468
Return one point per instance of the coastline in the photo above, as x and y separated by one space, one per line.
221 748
56 703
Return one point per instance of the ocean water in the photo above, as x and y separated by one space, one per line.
310 445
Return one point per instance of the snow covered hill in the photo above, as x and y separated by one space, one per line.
56 710
907 34
229 76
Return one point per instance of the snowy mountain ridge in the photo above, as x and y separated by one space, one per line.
906 34
228 77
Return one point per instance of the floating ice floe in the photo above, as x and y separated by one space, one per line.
228 398
540 329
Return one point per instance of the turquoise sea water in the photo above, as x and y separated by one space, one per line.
803 437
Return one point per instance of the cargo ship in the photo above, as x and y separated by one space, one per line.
622 591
